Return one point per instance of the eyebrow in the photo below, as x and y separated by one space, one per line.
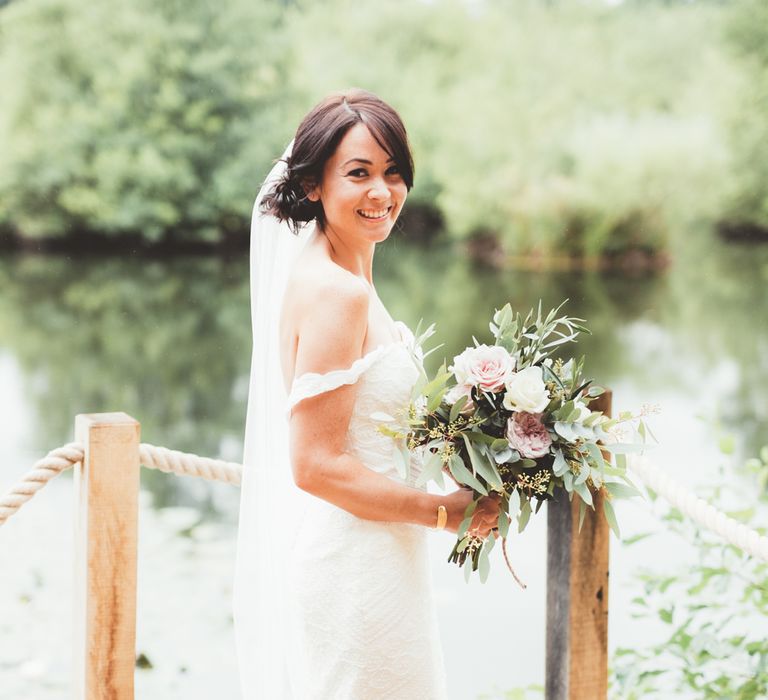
363 160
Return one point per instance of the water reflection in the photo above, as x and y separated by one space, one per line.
169 341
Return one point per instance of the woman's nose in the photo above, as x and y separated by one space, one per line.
379 190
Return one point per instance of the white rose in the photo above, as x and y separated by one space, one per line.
526 391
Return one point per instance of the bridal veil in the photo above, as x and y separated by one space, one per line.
270 503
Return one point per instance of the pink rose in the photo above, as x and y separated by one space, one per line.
487 367
528 435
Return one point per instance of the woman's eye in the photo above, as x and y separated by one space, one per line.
357 172
394 170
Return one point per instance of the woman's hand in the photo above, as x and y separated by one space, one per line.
485 517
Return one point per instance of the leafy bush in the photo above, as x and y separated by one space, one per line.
748 32
146 117
572 129
568 129
714 611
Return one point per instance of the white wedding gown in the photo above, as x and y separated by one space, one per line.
326 606
361 617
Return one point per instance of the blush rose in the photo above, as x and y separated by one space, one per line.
487 367
528 435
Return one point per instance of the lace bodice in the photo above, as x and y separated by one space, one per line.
385 377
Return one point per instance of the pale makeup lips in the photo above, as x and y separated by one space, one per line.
378 214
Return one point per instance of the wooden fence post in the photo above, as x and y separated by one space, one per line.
106 520
577 596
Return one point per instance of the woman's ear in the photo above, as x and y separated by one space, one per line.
311 189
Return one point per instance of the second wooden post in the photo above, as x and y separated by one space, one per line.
577 596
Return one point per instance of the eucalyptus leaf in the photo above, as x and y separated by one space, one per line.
566 431
596 454
464 476
610 516
433 466
456 408
435 399
565 410
503 524
621 490
402 462
559 466
585 494
462 531
582 512
525 514
486 469
436 384
583 474
484 565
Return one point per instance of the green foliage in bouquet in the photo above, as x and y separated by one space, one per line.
513 420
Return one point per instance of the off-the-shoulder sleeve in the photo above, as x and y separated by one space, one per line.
312 383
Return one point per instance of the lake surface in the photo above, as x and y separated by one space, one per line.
169 343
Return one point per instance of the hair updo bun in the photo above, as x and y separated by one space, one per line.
289 202
317 138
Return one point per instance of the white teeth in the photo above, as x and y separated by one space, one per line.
374 213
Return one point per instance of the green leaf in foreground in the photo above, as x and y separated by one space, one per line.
610 516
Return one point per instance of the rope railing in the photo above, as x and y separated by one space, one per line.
701 512
175 462
55 462
150 456
107 454
187 464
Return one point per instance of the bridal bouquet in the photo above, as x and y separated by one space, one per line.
512 419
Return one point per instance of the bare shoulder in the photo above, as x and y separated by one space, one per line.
327 310
319 287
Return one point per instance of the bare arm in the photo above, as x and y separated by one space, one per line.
331 336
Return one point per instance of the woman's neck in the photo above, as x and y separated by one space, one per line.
356 259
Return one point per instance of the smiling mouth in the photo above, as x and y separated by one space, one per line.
375 214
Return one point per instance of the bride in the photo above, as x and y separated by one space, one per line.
333 596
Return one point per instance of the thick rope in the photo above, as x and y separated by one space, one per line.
172 461
150 456
55 462
699 510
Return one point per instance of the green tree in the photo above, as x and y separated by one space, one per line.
748 32
154 117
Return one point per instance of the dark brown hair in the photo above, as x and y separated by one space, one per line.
317 138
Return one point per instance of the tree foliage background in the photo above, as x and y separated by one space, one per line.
559 128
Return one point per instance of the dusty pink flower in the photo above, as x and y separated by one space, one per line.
527 434
487 367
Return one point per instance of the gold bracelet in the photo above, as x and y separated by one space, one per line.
442 517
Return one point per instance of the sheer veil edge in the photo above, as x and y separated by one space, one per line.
271 506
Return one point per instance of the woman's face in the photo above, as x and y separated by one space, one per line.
362 191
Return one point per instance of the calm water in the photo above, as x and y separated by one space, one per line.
169 343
